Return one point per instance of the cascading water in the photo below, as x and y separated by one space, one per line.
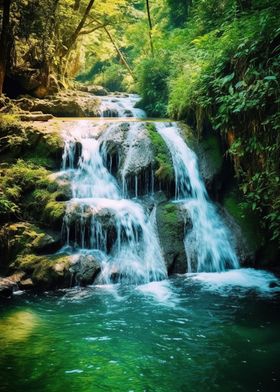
207 245
99 219
121 105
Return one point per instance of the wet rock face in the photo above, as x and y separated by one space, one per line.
171 228
244 253
129 156
6 288
85 269
211 163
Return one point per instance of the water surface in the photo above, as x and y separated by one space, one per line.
201 332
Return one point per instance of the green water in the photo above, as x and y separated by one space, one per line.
181 335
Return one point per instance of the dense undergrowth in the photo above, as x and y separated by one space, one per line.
220 72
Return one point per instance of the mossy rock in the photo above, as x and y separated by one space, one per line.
24 238
54 213
57 271
46 272
164 166
171 228
211 163
31 143
31 193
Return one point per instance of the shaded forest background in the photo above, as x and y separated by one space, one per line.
213 64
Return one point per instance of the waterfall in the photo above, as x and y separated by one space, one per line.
99 219
207 244
107 217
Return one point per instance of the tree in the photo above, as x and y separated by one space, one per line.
150 27
78 29
4 41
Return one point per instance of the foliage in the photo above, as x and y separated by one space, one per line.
221 69
112 77
152 84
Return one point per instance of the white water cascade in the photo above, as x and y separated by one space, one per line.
121 105
207 244
98 219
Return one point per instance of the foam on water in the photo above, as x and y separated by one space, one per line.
161 292
263 282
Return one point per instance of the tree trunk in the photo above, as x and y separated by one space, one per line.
4 42
76 5
123 60
150 27
76 33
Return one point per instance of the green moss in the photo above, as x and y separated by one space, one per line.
46 152
54 212
247 220
28 190
170 214
164 167
8 120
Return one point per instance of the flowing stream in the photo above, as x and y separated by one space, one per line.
215 328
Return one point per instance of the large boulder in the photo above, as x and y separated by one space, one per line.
66 103
172 225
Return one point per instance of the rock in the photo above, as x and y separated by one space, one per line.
92 89
211 164
54 212
23 238
26 284
35 141
66 103
29 79
85 269
46 272
171 228
35 117
9 284
244 251
140 152
51 272
6 289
